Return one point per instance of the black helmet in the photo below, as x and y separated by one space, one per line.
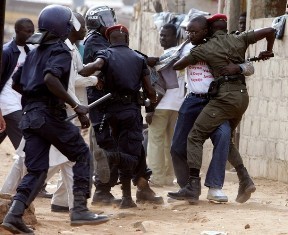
57 20
97 16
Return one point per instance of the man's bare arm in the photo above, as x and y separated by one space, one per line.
182 63
91 68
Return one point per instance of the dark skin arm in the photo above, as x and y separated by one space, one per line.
268 33
55 86
182 63
151 61
91 68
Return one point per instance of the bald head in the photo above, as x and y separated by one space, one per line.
201 20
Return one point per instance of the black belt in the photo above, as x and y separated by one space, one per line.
202 96
126 99
231 78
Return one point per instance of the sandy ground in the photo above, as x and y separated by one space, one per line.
265 213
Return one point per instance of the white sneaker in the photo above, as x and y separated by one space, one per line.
216 195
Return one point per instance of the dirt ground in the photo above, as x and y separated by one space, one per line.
265 213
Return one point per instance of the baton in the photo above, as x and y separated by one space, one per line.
92 105
255 58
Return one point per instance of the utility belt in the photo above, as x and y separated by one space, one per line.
55 108
214 86
231 78
138 98
202 96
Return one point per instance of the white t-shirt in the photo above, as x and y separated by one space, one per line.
173 98
198 77
10 100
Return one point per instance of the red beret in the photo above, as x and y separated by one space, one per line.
117 27
217 17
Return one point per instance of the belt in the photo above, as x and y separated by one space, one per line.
202 96
231 78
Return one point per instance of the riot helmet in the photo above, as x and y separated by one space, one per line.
98 16
58 20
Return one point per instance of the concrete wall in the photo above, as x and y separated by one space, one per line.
264 128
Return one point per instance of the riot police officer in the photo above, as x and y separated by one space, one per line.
125 72
43 81
98 19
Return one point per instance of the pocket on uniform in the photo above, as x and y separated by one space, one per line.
31 120
211 112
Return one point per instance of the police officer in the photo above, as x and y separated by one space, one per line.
43 81
125 71
230 101
98 19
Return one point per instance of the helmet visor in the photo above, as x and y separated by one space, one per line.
107 18
75 22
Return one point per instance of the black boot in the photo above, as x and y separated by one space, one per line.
127 201
145 194
80 215
246 185
190 192
102 195
13 220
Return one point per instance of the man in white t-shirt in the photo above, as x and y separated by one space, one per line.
14 54
162 121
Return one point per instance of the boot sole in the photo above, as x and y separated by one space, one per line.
190 200
217 200
13 229
246 195
88 222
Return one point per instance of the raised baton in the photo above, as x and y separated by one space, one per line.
90 106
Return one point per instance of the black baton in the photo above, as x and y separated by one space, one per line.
90 106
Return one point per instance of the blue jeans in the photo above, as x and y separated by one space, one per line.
189 111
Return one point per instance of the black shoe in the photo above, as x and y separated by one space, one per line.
44 194
127 202
246 186
56 208
190 192
13 221
80 214
106 198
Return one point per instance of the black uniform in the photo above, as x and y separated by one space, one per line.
124 112
43 122
94 43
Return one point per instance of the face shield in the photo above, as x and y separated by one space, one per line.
75 22
107 18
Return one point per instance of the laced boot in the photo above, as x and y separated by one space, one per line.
102 195
80 215
145 194
246 186
190 192
13 220
127 201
